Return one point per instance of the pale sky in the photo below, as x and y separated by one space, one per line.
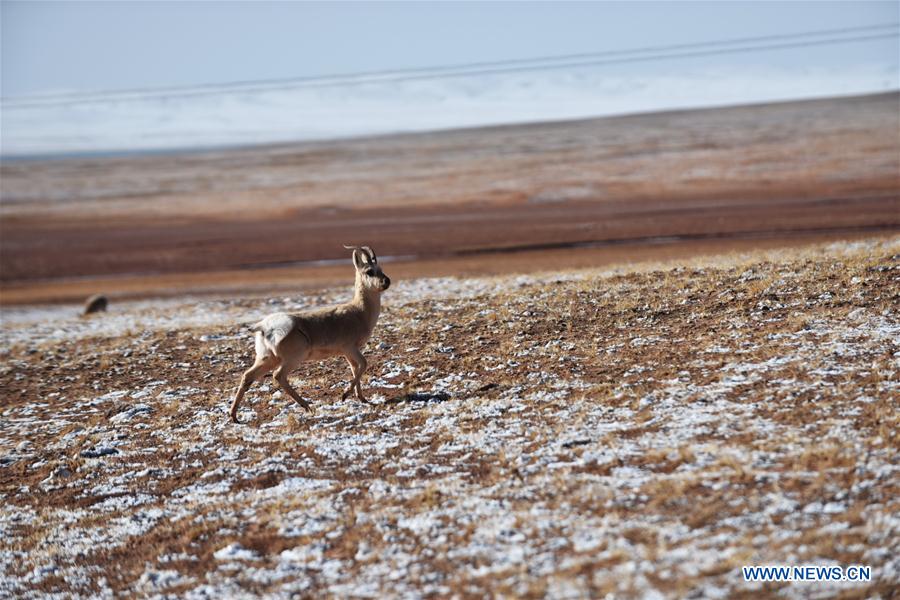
89 46
82 47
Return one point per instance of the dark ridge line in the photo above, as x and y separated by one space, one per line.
657 240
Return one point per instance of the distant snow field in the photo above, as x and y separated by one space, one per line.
286 115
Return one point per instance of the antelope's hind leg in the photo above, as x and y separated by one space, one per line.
292 350
280 375
265 362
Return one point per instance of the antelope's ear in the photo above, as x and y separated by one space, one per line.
359 259
371 254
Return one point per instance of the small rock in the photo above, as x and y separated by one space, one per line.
99 452
96 303
235 552
132 412
578 442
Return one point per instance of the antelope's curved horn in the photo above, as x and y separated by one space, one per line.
370 252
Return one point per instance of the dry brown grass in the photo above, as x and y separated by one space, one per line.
582 434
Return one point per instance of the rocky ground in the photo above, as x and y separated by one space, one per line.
643 432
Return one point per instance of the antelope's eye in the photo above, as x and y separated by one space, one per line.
370 272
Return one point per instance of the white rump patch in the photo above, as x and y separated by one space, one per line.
275 328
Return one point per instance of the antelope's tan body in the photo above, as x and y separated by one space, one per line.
284 341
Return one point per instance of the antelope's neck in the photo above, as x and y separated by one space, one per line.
369 302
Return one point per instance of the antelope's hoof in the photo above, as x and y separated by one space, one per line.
234 419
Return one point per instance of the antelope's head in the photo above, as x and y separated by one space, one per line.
369 275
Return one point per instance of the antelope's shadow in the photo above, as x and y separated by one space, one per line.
419 398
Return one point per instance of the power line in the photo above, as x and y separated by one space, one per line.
456 67
444 71
646 54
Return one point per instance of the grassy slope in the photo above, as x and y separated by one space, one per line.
655 428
